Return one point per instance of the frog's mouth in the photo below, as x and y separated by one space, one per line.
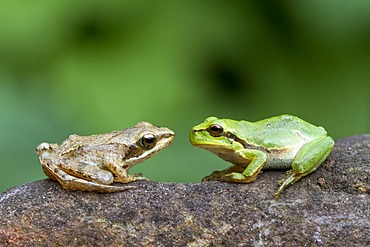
216 148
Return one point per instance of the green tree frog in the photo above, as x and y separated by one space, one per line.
280 142
94 162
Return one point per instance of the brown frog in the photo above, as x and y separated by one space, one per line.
94 162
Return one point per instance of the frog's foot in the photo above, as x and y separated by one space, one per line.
289 172
84 185
231 177
138 177
216 175
236 177
290 179
130 178
219 175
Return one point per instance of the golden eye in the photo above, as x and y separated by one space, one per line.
216 130
148 141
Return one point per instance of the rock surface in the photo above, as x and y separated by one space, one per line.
330 207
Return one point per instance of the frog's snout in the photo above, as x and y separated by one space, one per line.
195 130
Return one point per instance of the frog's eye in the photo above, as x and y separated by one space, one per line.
215 130
148 141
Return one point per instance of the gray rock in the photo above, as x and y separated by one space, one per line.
330 207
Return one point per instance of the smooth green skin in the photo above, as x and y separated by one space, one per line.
280 142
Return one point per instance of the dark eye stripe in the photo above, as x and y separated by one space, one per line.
245 144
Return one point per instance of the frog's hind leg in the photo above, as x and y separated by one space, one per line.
69 181
307 160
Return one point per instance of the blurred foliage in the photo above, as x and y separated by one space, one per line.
90 67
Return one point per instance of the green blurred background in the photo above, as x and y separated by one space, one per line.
91 67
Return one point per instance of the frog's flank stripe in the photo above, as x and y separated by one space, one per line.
246 145
233 137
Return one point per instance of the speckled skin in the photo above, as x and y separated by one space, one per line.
94 162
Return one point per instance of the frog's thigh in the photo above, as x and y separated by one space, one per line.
70 182
308 158
88 172
311 155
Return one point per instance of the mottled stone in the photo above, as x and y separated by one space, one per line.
330 207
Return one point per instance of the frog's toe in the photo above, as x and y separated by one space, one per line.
289 172
290 179
137 175
234 177
133 178
216 175
281 181
141 178
207 178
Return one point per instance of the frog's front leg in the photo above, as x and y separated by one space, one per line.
253 160
307 160
218 175
115 164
